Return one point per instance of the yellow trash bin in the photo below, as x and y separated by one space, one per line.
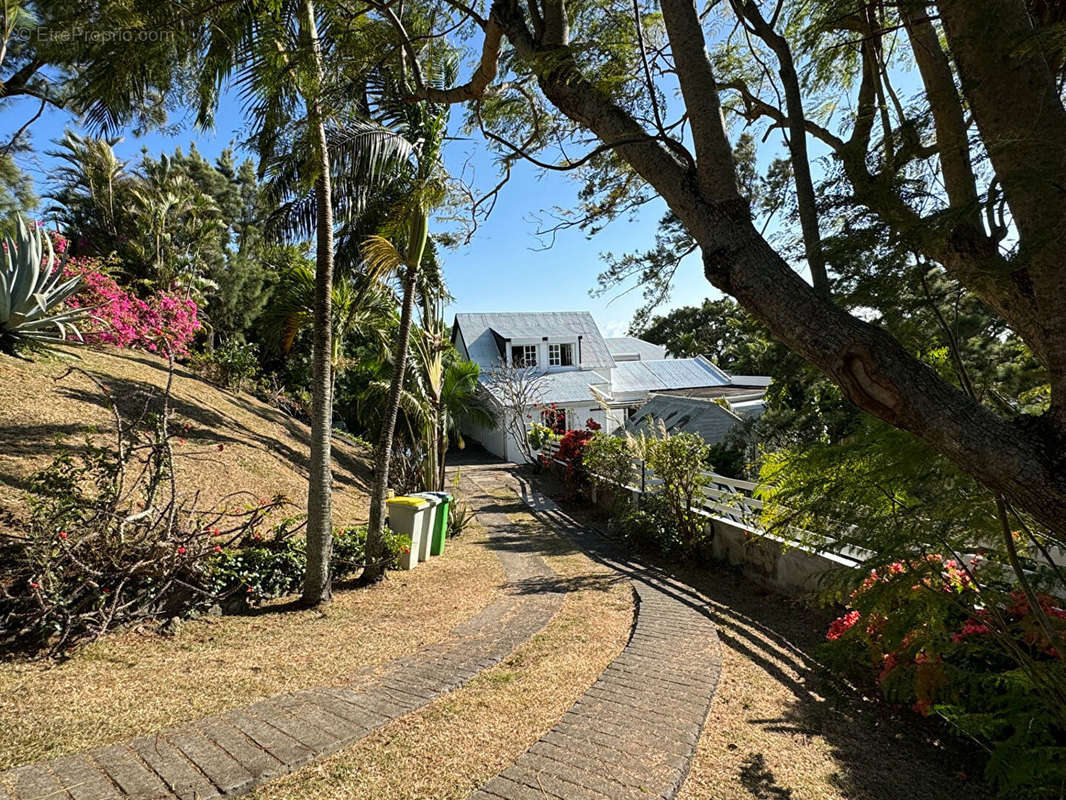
407 517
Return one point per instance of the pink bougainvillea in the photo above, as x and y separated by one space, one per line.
163 321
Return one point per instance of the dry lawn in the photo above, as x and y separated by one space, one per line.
452 746
780 729
133 683
264 450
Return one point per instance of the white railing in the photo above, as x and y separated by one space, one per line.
732 501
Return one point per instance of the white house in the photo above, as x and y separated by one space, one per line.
581 374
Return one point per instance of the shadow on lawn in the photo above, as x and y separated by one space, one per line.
880 753
209 426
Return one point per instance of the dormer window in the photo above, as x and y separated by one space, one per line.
524 355
560 355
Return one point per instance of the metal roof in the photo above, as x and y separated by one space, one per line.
630 348
751 380
705 418
571 386
669 373
477 330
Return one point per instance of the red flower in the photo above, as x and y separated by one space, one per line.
62 534
181 551
35 585
970 628
841 625
407 550
218 549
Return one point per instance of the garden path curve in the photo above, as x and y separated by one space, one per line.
232 752
634 732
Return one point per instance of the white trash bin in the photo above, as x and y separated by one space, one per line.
430 517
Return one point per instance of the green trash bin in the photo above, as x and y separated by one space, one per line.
430 524
407 517
440 530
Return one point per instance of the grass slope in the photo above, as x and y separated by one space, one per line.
264 451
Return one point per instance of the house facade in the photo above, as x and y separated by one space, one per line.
579 375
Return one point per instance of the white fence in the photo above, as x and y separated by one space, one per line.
792 563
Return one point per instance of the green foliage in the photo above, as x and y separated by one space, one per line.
259 569
32 289
233 364
541 435
720 330
609 463
679 460
651 524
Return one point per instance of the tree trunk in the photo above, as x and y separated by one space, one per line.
375 536
316 588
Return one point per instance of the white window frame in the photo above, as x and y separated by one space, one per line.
555 354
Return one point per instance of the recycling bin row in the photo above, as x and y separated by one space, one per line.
424 518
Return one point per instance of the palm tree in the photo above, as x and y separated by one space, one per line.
279 60
424 125
361 309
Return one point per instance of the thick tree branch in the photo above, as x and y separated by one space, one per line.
797 142
714 154
482 78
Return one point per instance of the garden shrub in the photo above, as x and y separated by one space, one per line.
231 365
163 321
649 524
938 641
609 465
680 461
262 569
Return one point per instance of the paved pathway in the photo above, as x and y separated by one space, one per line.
631 735
229 753
634 732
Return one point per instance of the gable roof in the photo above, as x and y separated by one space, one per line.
668 373
630 348
484 334
705 418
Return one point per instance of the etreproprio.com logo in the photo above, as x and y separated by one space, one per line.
91 35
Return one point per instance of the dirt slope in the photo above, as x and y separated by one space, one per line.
264 450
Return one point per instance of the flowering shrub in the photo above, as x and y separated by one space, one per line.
110 540
571 449
163 321
940 635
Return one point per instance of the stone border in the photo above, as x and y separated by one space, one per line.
230 753
634 733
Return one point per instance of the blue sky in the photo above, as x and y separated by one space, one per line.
502 269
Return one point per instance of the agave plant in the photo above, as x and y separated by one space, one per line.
31 291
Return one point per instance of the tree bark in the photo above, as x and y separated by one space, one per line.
1017 106
375 537
317 579
875 372
806 204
